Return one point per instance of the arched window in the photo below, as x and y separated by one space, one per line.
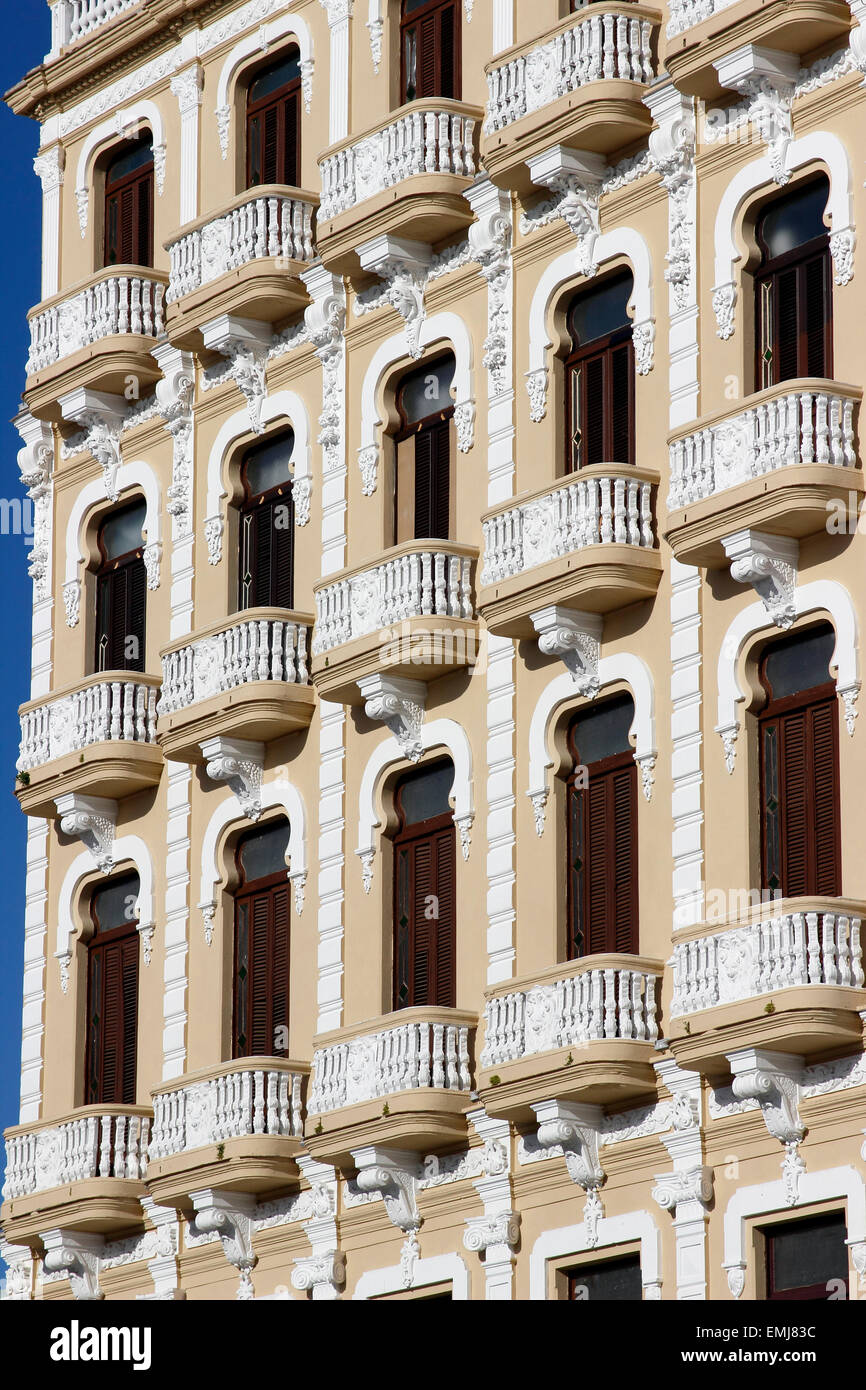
430 49
793 288
799 767
425 890
112 993
129 205
267 526
601 801
121 591
260 1014
422 493
599 376
274 123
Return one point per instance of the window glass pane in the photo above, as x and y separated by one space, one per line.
612 1280
272 79
807 1252
795 219
424 794
263 852
598 312
136 157
267 465
115 904
800 662
602 732
427 391
410 6
120 532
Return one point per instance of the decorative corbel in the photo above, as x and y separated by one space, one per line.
77 1255
766 77
36 466
323 1273
672 151
238 762
230 1215
399 703
693 1185
395 1175
577 1130
576 175
152 557
174 397
403 265
325 320
245 343
769 564
101 415
163 1266
490 241
93 820
576 638
208 916
482 1232
773 1080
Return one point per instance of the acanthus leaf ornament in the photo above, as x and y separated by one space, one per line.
368 462
490 240
399 703
394 1174
238 762
174 396
766 77
577 1129
75 1254
769 564
325 320
36 466
302 493
91 819
536 386
244 343
213 534
230 1215
101 416
774 1080
72 601
575 637
724 304
576 176
403 265
672 151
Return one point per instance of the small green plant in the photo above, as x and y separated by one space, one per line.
386 1109
496 1080
81 757
687 1027
221 1152
319 1128
568 1061
770 1008
23 778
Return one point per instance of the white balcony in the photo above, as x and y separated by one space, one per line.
75 19
119 302
587 542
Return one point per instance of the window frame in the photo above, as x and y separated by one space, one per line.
248 505
602 347
98 945
433 8
244 893
766 274
104 575
136 178
405 837
256 109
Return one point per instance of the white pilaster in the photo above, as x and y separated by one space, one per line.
176 920
48 165
339 17
187 87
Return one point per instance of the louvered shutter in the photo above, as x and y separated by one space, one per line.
270 145
136 598
784 307
142 248
112 1021
427 54
404 908
795 794
599 836
602 862
815 315
425 920
593 412
825 775
260 982
291 130
448 81
262 926
279 955
622 798
445 891
254 150
422 942
282 593
432 480
800 801
620 368
262 528
129 994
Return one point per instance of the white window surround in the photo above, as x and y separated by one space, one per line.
439 1269
620 241
819 146
824 595
771 1198
612 1230
259 42
126 849
126 120
228 813
438 329
137 474
283 405
439 733
620 666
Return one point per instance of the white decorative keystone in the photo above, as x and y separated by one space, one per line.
576 638
100 414
75 1254
91 819
773 1080
400 704
230 1214
576 1129
239 762
403 265
245 343
769 564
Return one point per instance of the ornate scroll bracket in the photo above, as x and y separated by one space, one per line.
245 343
325 320
77 1255
321 1275
238 762
403 265
576 175
577 1129
686 1188
672 151
483 1232
101 416
174 396
36 466
93 820
769 564
766 77
395 1175
400 704
576 638
230 1215
773 1080
490 243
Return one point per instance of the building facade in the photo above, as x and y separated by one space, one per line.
443 756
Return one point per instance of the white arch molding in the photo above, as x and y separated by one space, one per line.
128 848
439 733
439 1269
445 326
260 41
822 596
279 793
612 1231
820 146
122 125
282 405
620 241
137 474
621 666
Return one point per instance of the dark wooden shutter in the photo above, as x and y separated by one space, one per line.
600 405
435 31
267 560
602 859
816 305
261 976
112 1009
785 349
121 605
270 144
425 919
432 480
448 54
291 141
594 411
129 221
274 137
800 840
621 414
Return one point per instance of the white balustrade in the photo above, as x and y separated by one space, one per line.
415 584
601 44
241 1101
420 142
264 225
255 649
682 14
794 948
104 711
114 305
579 511
409 1057
793 426
74 19
89 1146
588 1006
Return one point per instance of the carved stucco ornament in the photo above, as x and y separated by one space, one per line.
230 1215
238 762
773 1079
399 704
576 1129
769 564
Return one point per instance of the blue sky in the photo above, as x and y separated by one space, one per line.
26 38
